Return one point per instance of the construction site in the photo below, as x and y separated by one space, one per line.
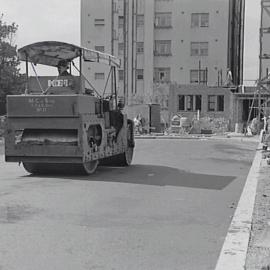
193 71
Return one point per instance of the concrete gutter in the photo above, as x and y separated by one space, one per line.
234 250
198 137
170 137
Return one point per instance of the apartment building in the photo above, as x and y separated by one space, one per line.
161 41
265 39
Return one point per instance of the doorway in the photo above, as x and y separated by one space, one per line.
246 108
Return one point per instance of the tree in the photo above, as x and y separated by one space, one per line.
11 81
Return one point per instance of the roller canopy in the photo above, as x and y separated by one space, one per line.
52 52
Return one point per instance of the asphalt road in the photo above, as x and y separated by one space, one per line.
170 210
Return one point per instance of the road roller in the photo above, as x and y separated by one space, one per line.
62 123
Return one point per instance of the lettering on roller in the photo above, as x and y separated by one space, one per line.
59 83
41 104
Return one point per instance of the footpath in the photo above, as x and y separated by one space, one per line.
247 244
258 254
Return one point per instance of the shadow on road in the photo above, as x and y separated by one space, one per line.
153 175
232 149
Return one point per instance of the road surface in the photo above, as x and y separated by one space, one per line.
170 210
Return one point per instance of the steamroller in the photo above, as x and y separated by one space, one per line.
62 123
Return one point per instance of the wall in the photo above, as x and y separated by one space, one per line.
181 34
265 40
92 35
204 91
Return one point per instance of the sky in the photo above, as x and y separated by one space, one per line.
60 20
251 41
39 20
43 20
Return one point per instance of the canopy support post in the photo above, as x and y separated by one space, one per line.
27 74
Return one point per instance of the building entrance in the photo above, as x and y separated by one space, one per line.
247 103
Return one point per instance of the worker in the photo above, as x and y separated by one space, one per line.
229 78
63 68
138 124
268 125
254 126
264 123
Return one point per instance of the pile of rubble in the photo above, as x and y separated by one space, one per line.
2 125
210 125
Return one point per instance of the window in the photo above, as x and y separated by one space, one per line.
139 74
100 48
203 48
99 22
120 48
162 47
204 19
121 75
99 76
162 74
194 48
181 103
220 103
139 47
216 103
199 20
189 103
198 77
194 76
199 48
211 103
120 21
198 102
195 20
163 20
140 20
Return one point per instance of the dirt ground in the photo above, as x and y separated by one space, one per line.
258 256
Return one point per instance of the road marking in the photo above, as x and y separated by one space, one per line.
234 250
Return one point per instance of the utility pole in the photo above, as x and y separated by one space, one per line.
135 38
126 51
112 34
134 47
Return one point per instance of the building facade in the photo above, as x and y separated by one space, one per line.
164 41
215 105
